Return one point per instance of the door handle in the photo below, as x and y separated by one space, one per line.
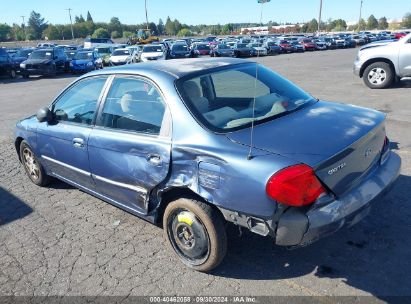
154 159
78 142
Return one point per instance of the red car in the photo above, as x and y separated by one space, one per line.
308 44
399 35
286 47
201 49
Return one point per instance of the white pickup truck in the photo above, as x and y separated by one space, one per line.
381 64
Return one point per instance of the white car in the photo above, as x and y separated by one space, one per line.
152 52
120 57
258 50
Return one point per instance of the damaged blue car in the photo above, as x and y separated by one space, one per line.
191 145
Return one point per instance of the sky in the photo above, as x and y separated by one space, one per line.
205 11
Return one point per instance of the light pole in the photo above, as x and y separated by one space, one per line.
25 30
359 20
319 17
261 14
145 7
71 22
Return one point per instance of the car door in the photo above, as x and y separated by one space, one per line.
63 143
404 59
130 147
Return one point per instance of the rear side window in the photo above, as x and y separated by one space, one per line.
133 105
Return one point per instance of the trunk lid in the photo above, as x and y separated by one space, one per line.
342 143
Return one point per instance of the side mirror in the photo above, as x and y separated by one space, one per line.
44 115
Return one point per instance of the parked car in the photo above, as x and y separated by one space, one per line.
105 53
330 42
119 56
91 43
358 40
120 147
257 49
153 52
297 46
308 44
6 64
380 65
285 46
272 48
222 50
70 54
179 50
47 61
242 50
350 43
201 49
86 61
20 56
320 45
399 35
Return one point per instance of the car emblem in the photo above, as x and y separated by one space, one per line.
368 152
336 169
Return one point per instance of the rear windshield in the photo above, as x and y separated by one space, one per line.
83 55
41 55
152 48
180 47
203 47
121 52
222 100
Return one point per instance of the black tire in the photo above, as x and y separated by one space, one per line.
378 75
196 233
13 73
26 76
33 167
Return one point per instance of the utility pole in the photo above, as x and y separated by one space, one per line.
359 20
145 6
25 29
319 18
71 22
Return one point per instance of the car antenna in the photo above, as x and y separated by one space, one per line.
250 151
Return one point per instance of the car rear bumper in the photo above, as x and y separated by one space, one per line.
296 228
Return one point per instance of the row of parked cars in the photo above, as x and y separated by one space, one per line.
49 59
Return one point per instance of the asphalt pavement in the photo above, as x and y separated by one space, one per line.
61 241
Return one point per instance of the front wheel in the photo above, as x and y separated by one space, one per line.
196 233
32 166
378 75
13 73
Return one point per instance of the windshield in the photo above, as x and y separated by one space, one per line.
152 48
223 47
23 53
41 55
103 50
121 52
223 99
179 47
70 54
241 45
202 47
83 55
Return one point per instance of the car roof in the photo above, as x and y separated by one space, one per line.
176 68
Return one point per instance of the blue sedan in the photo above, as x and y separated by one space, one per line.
193 144
86 61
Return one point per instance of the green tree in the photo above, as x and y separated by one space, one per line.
127 34
160 27
79 19
382 23
17 33
52 33
115 25
372 23
312 26
170 27
36 25
5 32
89 18
184 32
115 35
153 28
101 33
362 25
406 21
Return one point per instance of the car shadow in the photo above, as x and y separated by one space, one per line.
11 207
372 256
19 79
404 83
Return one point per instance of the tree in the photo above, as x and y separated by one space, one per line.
372 23
115 35
160 27
382 23
362 25
52 32
153 28
115 25
5 32
127 34
79 19
184 32
312 26
170 27
406 21
36 25
89 18
101 33
17 33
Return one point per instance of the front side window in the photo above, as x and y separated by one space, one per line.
78 104
223 100
133 105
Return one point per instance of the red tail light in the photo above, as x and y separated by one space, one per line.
295 186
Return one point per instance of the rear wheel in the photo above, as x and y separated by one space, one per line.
196 233
378 75
32 166
13 73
